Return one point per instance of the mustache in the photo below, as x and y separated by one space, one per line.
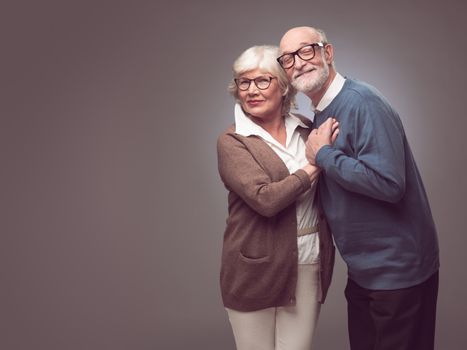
300 73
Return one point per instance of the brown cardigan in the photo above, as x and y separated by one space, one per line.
260 254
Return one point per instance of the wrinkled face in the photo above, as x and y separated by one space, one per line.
306 76
263 102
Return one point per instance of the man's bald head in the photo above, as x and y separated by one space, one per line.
301 35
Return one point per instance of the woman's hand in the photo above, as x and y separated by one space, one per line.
312 171
335 130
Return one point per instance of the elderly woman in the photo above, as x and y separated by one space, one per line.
278 254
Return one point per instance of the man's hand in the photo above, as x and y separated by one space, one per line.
326 134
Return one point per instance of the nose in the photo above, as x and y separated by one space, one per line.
298 62
252 89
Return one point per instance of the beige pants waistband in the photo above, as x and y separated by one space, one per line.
307 230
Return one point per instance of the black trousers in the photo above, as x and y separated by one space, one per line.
401 319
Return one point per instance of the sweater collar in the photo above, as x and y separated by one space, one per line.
333 90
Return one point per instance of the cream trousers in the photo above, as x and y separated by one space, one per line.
285 327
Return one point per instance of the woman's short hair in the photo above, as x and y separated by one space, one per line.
263 57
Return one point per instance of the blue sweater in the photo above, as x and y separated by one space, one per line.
373 195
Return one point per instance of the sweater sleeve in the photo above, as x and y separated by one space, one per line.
242 174
377 166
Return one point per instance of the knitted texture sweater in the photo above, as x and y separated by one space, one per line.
372 193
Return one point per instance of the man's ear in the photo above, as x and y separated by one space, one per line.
329 53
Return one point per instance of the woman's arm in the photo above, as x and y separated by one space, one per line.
242 174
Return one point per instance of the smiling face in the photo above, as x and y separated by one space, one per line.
310 77
263 104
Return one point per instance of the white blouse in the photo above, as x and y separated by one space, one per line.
293 156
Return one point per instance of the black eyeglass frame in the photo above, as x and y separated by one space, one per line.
296 53
254 80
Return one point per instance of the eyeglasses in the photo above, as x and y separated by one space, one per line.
306 53
261 83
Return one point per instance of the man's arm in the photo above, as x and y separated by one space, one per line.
378 168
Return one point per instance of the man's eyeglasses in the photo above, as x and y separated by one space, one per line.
306 53
261 83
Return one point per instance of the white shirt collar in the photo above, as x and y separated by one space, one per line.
246 127
331 92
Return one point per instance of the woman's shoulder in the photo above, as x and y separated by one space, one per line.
228 131
230 141
227 134
228 138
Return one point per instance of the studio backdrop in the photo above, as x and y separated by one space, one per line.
112 208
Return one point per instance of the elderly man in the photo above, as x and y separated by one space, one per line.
374 200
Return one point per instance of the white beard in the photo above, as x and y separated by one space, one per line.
310 86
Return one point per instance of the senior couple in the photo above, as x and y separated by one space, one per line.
296 187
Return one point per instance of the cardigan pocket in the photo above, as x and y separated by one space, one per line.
256 247
254 260
251 279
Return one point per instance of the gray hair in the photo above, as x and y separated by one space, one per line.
321 34
323 38
263 57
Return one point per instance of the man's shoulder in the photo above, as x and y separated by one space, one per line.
357 93
360 88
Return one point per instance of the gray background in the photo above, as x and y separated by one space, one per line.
112 210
